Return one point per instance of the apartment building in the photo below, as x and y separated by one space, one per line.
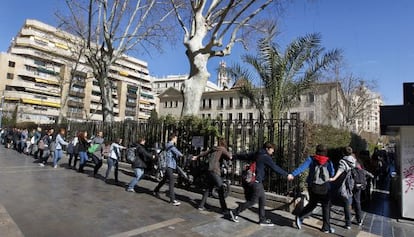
37 70
369 120
161 84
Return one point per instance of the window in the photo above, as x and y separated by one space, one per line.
165 104
204 103
176 103
240 116
203 116
220 116
231 102
166 85
230 116
311 98
250 116
10 75
311 116
159 85
208 115
209 103
171 104
12 64
241 102
221 102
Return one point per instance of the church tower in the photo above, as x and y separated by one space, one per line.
223 80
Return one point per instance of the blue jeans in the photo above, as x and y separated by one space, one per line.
138 175
112 162
83 157
57 156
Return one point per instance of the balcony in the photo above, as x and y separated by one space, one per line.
75 115
131 104
75 104
77 94
130 113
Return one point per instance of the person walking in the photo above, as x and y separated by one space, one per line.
59 141
37 136
44 147
142 157
263 158
344 182
356 197
113 159
318 165
73 151
96 155
217 155
172 156
82 150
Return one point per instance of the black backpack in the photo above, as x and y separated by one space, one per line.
359 178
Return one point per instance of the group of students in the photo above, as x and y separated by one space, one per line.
322 178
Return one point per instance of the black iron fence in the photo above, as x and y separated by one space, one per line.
242 136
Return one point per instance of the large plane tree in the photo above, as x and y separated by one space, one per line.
211 29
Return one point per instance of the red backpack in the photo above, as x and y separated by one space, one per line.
249 173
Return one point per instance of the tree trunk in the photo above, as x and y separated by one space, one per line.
107 101
194 86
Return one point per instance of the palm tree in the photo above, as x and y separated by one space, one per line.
282 76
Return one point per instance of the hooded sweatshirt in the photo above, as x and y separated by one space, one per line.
346 164
310 164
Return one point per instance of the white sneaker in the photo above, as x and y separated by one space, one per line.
130 190
41 165
176 203
55 166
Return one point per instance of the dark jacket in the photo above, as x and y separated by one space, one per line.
83 145
219 153
262 160
142 157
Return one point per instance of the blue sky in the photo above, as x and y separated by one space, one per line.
376 36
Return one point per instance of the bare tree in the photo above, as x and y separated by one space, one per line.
211 29
357 98
110 28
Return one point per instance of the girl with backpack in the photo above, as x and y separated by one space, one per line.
345 183
320 169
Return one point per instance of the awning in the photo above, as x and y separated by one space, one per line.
40 102
123 73
144 102
50 82
11 98
62 46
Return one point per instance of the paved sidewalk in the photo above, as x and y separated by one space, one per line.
36 201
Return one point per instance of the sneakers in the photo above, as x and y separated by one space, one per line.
55 166
176 203
348 227
41 165
359 223
298 222
332 230
130 190
201 209
156 194
266 222
233 216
